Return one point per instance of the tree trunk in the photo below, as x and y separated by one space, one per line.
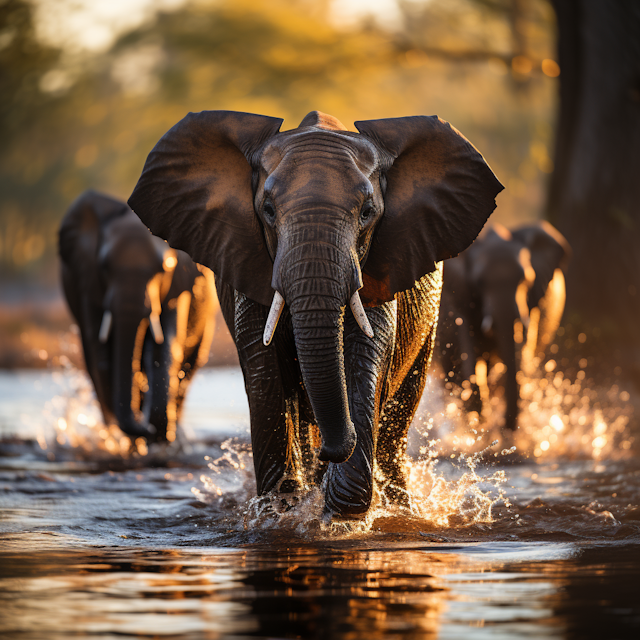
594 198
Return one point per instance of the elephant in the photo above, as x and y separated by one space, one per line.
145 313
327 247
502 299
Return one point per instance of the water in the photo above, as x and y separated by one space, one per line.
101 537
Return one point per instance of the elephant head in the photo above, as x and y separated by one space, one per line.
116 276
550 253
500 278
318 217
506 275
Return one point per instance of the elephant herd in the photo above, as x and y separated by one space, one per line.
328 248
145 313
506 290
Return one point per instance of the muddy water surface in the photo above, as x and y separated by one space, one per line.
101 537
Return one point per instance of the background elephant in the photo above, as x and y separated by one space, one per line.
145 312
502 299
301 228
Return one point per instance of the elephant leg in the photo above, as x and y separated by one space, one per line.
456 352
396 418
417 323
169 368
468 367
310 441
349 485
142 380
193 340
189 367
276 453
157 359
508 355
512 395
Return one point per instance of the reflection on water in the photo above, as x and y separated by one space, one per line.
110 541
499 590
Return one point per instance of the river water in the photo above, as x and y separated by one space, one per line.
103 538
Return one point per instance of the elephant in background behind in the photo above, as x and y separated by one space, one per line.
145 313
502 299
326 244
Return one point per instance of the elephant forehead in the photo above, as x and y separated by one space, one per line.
321 148
130 247
131 256
500 268
330 182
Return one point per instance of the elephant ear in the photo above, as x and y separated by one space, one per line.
439 194
549 251
195 191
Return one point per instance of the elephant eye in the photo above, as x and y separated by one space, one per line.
269 212
366 213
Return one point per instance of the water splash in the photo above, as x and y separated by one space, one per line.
560 416
572 418
469 499
448 487
232 473
461 496
73 423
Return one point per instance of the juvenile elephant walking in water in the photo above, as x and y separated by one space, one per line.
502 298
326 245
145 313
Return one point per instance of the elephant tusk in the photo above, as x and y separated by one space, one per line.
521 301
272 319
487 323
156 328
105 327
360 315
153 292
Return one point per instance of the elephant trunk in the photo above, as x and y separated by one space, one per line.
318 279
318 337
128 336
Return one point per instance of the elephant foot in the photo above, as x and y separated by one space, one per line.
510 423
474 402
136 429
349 490
160 436
159 424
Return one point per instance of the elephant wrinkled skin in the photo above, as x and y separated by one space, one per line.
502 298
322 222
145 313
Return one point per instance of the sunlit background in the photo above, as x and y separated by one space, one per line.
89 86
86 89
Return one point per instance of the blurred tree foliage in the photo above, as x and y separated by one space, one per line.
26 170
485 65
